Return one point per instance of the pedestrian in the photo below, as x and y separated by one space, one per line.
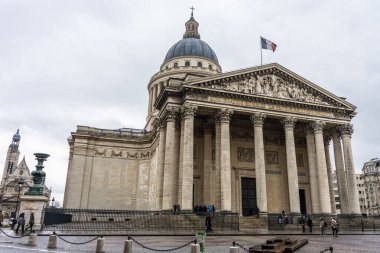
208 223
322 226
310 224
213 209
31 222
334 227
303 223
1 218
21 222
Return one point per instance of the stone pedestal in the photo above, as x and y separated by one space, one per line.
33 204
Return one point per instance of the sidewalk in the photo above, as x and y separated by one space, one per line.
214 243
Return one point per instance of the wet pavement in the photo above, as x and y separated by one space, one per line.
214 243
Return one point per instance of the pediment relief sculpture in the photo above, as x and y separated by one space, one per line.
272 86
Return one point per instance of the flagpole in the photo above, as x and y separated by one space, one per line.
261 51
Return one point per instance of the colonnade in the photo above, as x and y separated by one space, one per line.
177 173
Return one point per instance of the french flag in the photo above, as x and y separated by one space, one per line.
267 44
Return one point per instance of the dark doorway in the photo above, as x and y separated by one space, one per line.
302 201
248 189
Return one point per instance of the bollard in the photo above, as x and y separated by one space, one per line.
234 249
32 239
100 246
52 243
195 248
127 246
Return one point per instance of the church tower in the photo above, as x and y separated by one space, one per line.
12 155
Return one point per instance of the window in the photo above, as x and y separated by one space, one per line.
200 64
187 64
210 67
176 64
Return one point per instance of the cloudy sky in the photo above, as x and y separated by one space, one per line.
69 63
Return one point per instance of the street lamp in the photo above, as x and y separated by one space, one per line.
52 202
20 184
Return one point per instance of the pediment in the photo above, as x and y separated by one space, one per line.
272 81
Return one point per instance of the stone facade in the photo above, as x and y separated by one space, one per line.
254 138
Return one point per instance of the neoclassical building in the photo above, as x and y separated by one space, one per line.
255 137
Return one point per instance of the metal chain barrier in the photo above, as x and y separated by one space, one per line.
77 243
15 237
328 249
161 250
237 244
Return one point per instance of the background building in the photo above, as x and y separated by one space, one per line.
15 174
371 181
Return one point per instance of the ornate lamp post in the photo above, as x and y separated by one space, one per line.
20 184
52 202
38 176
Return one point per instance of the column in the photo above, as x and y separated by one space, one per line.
150 101
169 166
261 184
159 88
340 174
188 113
161 163
324 193
180 165
207 164
329 172
291 163
225 161
217 164
177 148
154 96
346 132
313 175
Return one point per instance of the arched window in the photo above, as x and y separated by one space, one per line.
176 64
187 64
200 64
210 67
167 67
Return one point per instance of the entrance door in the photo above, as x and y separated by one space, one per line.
248 190
302 201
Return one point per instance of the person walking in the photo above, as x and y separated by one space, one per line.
310 224
208 223
1 218
21 222
322 226
303 223
31 222
334 227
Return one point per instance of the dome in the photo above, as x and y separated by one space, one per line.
191 47
191 44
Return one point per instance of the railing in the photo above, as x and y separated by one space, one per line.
57 219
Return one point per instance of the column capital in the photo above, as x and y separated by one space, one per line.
188 111
289 122
224 115
318 126
327 137
346 129
171 114
258 119
309 128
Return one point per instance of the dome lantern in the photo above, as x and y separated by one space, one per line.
192 27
